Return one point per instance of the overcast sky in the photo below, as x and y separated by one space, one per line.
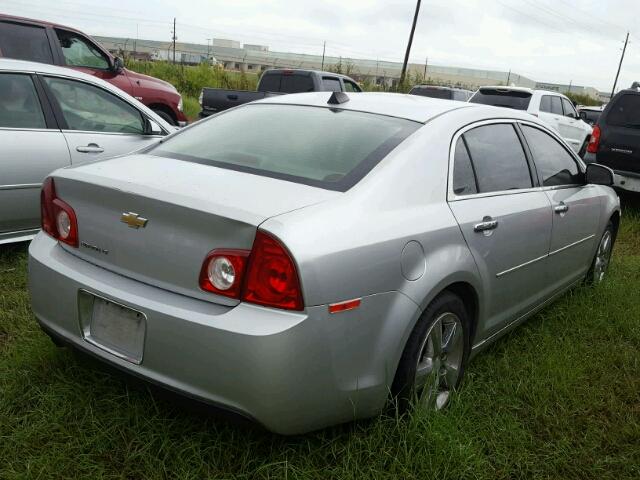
547 40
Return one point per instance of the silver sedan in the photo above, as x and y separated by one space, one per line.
51 117
302 259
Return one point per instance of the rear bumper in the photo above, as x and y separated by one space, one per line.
291 372
629 181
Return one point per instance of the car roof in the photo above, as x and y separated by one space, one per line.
441 87
411 107
272 71
35 67
44 23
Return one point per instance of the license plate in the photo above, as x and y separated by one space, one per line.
113 327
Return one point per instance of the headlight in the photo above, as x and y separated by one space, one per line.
201 97
180 103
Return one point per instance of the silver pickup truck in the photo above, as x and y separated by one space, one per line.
276 82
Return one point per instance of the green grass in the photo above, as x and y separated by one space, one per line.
559 398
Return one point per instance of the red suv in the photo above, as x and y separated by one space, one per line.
44 42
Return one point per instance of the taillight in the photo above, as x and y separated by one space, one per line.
272 278
58 218
594 142
265 276
223 271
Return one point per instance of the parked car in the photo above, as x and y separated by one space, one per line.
590 115
553 108
616 139
52 117
297 278
45 42
447 93
276 82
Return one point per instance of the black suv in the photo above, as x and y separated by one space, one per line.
615 141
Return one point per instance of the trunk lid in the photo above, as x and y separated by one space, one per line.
190 209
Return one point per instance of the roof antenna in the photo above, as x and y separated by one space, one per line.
337 98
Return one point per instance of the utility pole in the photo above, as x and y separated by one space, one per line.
508 77
174 38
570 85
624 49
406 55
324 47
209 41
424 75
135 44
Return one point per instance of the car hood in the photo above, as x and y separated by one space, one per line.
151 81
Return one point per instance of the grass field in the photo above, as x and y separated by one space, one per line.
559 398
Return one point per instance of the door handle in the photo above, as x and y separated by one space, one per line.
91 148
561 208
486 225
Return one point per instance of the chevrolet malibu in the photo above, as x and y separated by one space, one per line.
303 259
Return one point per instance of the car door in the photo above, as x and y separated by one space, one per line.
576 206
81 53
572 128
505 219
31 147
96 123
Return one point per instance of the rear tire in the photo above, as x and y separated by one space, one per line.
433 361
602 258
165 116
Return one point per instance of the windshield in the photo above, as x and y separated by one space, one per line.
517 100
323 147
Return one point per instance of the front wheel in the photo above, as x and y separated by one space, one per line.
600 263
433 361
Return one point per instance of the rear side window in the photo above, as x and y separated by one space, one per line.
545 103
625 112
270 83
554 164
460 96
515 99
432 92
317 146
498 158
25 42
556 105
296 83
19 104
331 84
464 178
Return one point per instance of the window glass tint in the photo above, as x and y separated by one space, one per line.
464 181
625 112
556 105
79 52
350 145
498 158
432 92
545 104
90 108
331 84
554 164
19 104
24 42
270 83
568 108
296 83
350 86
502 98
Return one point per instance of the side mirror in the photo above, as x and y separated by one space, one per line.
118 65
152 128
599 175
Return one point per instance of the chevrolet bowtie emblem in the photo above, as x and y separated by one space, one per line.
133 220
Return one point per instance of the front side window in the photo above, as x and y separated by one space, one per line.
554 164
323 147
569 111
331 84
498 158
350 86
79 52
89 108
25 42
19 103
464 178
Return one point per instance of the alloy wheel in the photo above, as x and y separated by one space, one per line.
603 256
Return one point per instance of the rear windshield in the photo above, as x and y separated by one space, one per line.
502 98
625 112
286 83
323 147
432 92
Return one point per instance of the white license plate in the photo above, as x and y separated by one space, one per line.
118 329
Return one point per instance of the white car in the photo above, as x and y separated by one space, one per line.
53 117
552 108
